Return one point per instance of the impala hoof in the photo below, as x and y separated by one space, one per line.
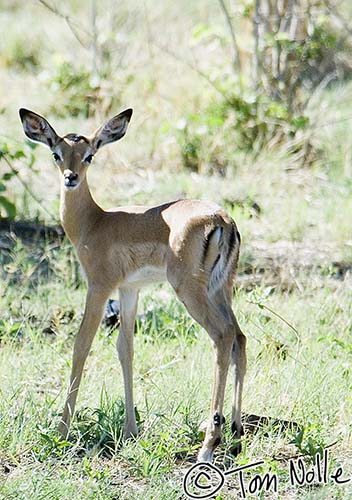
205 455
237 431
236 449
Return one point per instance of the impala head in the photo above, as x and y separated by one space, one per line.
73 153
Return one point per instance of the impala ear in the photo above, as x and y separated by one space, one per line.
112 130
37 128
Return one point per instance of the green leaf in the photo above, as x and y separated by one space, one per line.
19 154
282 36
165 127
8 176
31 145
4 149
300 122
8 206
201 31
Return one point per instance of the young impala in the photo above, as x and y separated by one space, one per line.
192 244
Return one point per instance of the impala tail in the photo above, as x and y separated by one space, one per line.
221 251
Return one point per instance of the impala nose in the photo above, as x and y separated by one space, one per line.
70 179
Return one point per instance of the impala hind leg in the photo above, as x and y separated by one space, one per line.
222 347
216 318
128 309
93 313
239 362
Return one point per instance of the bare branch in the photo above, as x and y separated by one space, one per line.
236 55
256 55
193 68
340 19
27 188
73 25
94 42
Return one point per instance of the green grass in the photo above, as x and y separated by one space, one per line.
303 375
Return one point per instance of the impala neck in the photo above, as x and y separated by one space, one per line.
78 211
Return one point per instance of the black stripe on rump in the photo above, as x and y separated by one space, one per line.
238 237
231 242
206 242
216 261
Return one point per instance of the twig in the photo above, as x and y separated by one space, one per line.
70 23
334 122
94 43
257 325
330 77
256 54
235 50
282 319
263 306
194 68
27 188
334 12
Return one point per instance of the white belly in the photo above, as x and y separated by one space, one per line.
145 276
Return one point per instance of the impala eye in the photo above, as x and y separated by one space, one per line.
88 159
56 157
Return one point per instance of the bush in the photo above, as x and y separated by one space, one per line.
78 93
22 54
8 154
210 141
263 103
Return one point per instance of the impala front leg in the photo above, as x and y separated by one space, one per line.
128 309
94 309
